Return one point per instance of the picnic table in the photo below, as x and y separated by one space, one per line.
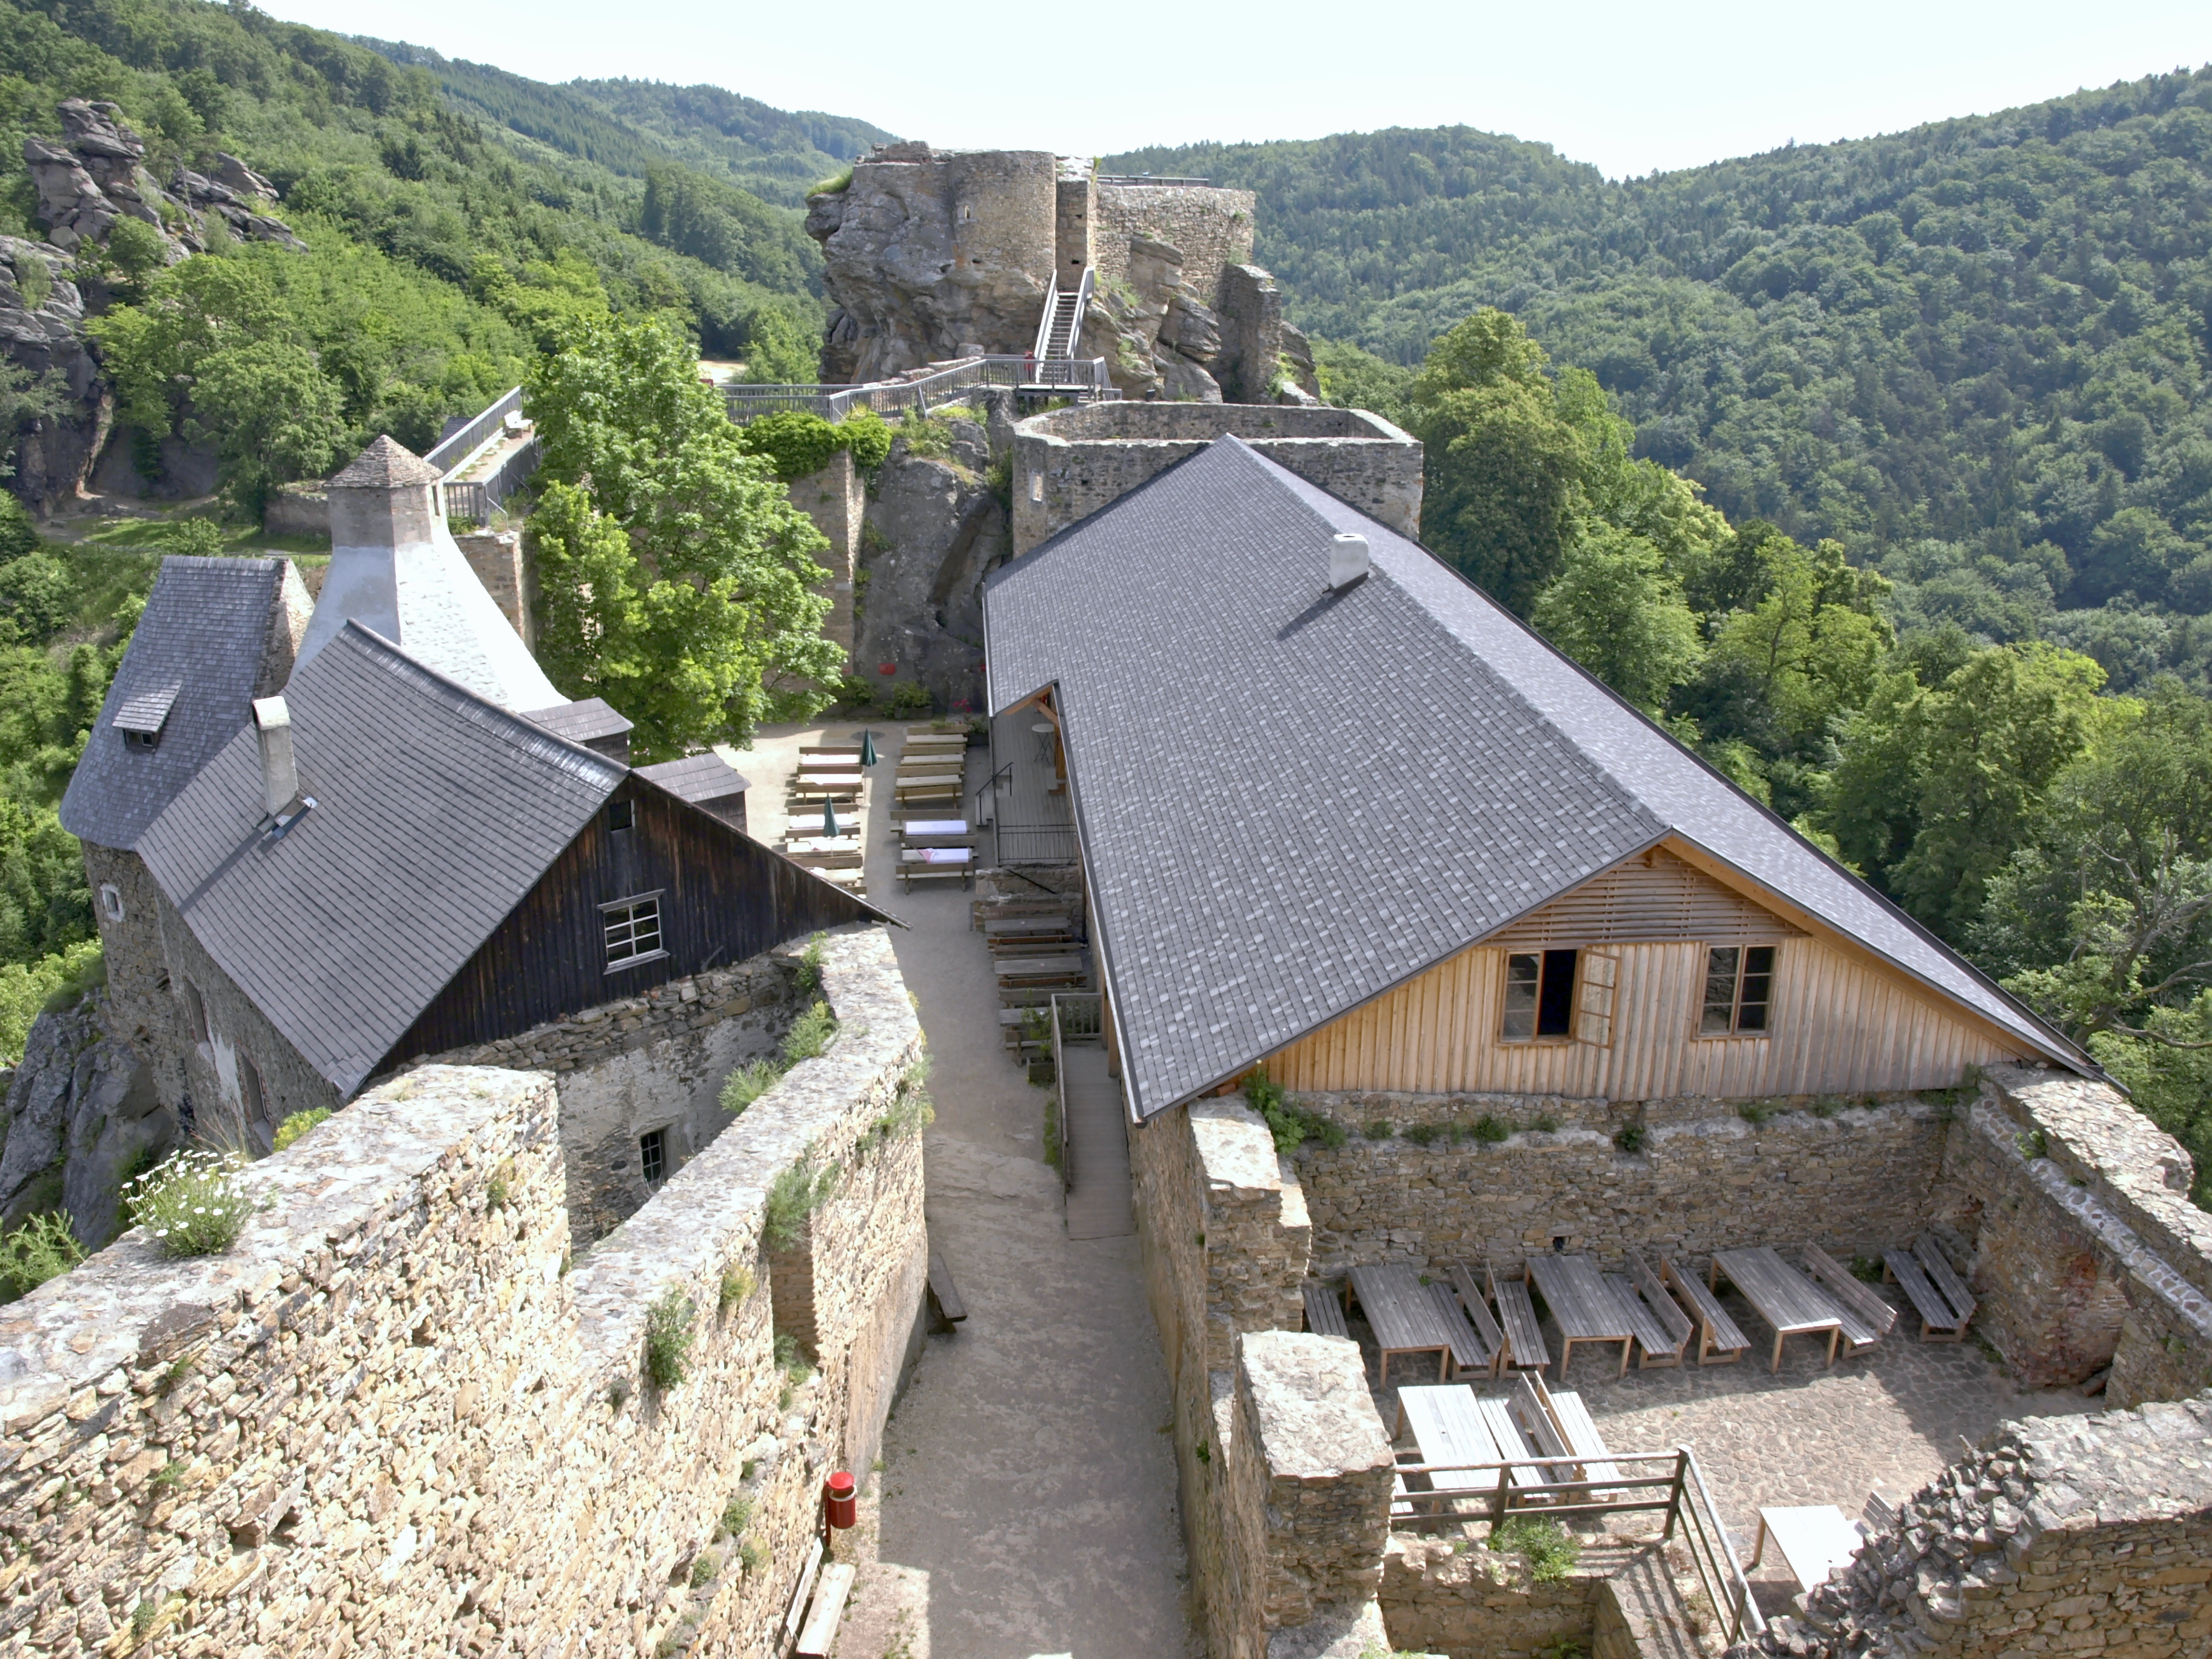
918 829
1815 1540
827 783
811 823
1583 1303
1784 1298
1478 1315
1449 1428
1042 971
1404 1319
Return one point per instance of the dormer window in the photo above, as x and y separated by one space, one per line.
141 718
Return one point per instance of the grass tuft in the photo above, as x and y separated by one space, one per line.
668 1338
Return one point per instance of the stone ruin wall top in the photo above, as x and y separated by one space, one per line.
1211 227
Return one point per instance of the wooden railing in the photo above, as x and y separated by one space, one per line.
476 498
1076 1018
1675 1487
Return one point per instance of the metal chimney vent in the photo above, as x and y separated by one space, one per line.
1348 562
280 773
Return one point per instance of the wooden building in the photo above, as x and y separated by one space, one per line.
1342 816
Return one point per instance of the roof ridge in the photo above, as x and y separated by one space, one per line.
527 734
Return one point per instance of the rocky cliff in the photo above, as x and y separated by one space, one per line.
934 528
82 1117
87 182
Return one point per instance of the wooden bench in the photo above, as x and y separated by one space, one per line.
1564 1409
1324 1313
1477 1314
1512 1445
1868 1317
1658 1341
1719 1340
943 1295
1675 1328
1928 1251
1939 1321
1042 971
1470 1355
1524 1337
1402 1315
1532 1411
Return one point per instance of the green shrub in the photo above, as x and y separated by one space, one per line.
795 1194
298 1124
793 441
806 974
737 1287
1422 1134
1549 1548
737 1514
1052 1132
810 1034
1378 1130
791 1360
908 699
1868 1267
1544 1123
1755 1112
749 1083
43 1247
191 1203
868 436
1489 1130
704 1567
925 436
1629 1139
835 184
752 1555
668 1337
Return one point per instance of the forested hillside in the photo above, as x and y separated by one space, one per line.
1974 353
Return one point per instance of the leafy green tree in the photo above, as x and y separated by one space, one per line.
2166 1070
678 580
1353 379
1614 608
272 415
1813 642
1502 465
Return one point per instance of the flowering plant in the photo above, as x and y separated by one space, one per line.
192 1202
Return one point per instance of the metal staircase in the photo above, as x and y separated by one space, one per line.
1061 325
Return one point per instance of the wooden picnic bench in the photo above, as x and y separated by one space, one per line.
1675 1328
1928 1251
1782 1297
1402 1315
1659 1341
1042 971
936 864
1512 1445
1324 1313
1719 1340
1581 1305
1572 1430
1469 1353
950 1310
1477 1309
1867 1317
1524 1336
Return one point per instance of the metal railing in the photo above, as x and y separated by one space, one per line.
449 453
1479 1491
1076 1018
986 800
1080 376
1147 178
476 498
1036 843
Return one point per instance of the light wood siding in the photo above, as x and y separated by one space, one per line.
1841 1022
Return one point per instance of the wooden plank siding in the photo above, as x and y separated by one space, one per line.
1841 1021
723 897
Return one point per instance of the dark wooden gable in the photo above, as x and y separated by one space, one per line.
723 897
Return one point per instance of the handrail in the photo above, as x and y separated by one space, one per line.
988 785
447 453
1086 377
1126 179
1043 347
1502 1492
1069 1022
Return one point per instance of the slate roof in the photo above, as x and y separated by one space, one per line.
697 778
1291 801
436 811
591 722
384 465
200 642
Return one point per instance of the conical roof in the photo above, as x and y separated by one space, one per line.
386 465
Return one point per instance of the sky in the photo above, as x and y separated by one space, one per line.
1630 88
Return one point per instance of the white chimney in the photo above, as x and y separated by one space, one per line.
1347 562
280 773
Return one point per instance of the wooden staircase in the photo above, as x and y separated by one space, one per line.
1061 325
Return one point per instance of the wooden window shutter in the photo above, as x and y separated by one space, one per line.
1596 996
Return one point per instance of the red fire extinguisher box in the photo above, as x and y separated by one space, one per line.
840 1499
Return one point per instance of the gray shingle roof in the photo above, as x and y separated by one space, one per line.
437 811
386 463
697 778
1291 801
202 637
591 722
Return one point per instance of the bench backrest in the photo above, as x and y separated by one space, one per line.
1662 1305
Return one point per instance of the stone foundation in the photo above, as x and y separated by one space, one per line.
392 1420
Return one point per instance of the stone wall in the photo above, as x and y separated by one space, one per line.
1477 1603
2087 1251
2063 1535
1704 1178
501 559
835 500
297 509
648 1062
1068 463
143 1009
184 1439
1213 227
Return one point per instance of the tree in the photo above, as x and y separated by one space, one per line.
1503 465
1614 608
271 414
1813 642
677 578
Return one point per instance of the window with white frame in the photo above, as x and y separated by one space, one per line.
633 930
1739 990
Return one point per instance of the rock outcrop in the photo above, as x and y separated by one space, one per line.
934 528
81 1115
1159 337
96 176
88 183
